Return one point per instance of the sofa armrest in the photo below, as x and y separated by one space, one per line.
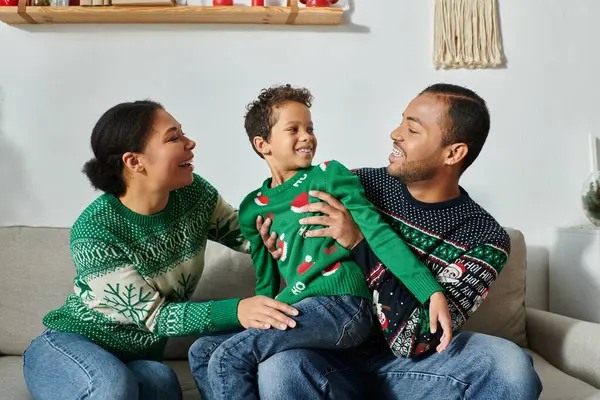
569 344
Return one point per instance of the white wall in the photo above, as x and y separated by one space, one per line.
55 81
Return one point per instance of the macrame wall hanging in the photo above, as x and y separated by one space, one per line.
467 34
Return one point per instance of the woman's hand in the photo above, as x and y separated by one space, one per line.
438 311
261 312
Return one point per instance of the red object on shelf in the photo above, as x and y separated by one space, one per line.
319 3
12 3
258 3
222 2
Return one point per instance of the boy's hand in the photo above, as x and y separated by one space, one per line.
268 240
438 311
261 312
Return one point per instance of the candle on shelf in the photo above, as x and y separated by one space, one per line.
593 143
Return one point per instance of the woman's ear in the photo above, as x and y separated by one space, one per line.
132 162
261 145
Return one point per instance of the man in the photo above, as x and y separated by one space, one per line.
442 133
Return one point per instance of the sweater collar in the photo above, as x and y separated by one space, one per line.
268 191
140 219
461 199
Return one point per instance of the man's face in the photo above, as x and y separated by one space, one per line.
418 154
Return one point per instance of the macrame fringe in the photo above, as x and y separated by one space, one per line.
466 34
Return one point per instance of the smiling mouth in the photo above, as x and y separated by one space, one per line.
398 153
187 163
305 151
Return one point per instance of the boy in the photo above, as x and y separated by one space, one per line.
322 280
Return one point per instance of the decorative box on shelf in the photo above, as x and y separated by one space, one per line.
575 273
291 14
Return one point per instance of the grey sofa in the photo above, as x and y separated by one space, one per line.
36 273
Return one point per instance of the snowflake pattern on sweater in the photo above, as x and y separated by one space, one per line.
137 273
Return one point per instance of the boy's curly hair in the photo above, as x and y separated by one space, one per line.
262 114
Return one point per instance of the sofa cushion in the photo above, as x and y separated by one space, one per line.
186 381
559 386
12 383
503 311
37 260
36 274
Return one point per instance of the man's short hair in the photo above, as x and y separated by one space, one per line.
468 119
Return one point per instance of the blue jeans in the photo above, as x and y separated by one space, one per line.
225 366
67 366
474 367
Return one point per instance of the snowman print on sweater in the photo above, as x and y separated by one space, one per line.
378 309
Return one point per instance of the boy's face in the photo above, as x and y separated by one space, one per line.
292 144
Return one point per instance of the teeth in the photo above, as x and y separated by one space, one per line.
305 150
185 163
397 152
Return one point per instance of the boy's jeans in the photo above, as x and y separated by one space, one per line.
328 322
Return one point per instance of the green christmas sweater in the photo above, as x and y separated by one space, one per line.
136 273
320 266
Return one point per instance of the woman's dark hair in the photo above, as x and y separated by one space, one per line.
123 128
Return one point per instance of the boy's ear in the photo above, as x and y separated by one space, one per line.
261 145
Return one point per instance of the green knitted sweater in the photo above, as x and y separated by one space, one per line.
136 273
320 266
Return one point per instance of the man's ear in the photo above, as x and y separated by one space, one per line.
261 145
133 162
457 152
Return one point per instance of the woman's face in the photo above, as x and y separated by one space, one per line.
167 158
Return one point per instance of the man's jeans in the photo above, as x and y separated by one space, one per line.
327 322
474 367
67 366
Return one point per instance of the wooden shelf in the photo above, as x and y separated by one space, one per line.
177 14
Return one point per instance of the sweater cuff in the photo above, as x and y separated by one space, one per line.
223 315
424 286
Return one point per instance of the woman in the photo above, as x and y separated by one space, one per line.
138 250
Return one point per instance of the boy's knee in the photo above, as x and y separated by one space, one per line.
202 349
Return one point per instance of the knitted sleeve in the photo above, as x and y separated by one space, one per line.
267 273
117 290
385 243
468 279
225 227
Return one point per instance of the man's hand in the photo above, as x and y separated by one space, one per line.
261 312
337 221
438 311
268 240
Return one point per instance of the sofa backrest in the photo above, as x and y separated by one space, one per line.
36 274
